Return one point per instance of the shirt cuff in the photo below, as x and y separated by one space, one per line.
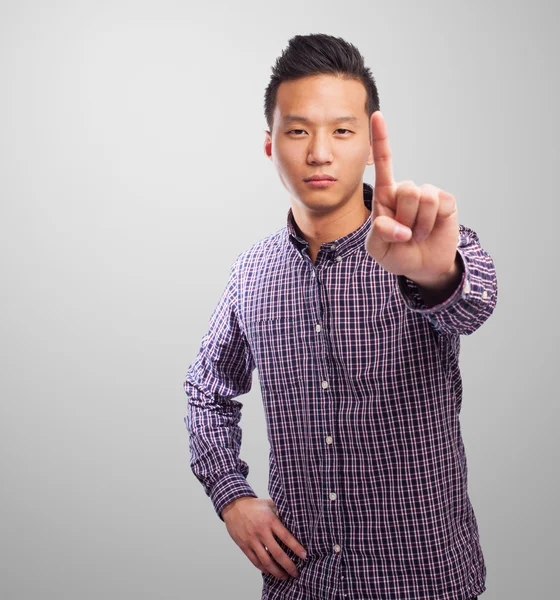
410 292
227 489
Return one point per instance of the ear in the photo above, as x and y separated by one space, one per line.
268 144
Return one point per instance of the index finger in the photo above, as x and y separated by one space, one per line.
381 150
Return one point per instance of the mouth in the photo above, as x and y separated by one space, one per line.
320 177
320 183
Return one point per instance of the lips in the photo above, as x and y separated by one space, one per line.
321 183
320 177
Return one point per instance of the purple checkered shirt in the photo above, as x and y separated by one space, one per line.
362 392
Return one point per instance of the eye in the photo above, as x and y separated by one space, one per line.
303 130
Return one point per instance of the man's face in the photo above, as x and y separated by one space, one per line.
322 144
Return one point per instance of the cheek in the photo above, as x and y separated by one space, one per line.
354 159
290 154
359 152
289 160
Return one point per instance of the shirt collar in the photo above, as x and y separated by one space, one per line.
340 246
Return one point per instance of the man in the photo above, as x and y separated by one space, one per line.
352 315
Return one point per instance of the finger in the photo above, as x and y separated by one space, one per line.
284 534
427 212
281 557
251 555
407 198
382 159
388 230
447 204
269 563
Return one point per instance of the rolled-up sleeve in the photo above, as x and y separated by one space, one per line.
221 372
474 299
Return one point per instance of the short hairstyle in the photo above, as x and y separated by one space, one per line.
319 54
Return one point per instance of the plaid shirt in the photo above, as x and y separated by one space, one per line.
362 392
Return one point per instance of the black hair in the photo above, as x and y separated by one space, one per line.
319 54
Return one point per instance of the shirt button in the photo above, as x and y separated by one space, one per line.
467 287
318 327
338 258
333 247
485 294
332 496
336 548
328 439
325 384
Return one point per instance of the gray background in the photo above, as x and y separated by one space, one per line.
132 173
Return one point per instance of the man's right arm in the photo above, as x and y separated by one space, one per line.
221 372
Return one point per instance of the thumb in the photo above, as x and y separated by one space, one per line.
385 231
389 230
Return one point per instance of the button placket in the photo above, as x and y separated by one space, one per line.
324 358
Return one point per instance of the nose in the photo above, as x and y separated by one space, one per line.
320 150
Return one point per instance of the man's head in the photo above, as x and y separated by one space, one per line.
318 106
319 54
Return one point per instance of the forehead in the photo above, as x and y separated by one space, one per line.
320 97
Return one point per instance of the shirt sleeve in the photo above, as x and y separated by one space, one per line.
221 371
474 299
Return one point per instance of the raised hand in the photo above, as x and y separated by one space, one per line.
415 230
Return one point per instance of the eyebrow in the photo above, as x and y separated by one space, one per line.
345 119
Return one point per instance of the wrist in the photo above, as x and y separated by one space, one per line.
436 290
443 281
231 504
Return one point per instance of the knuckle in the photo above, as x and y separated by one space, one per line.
408 189
430 199
429 190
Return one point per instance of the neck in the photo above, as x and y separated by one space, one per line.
320 227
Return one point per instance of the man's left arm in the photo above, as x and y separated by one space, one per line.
464 299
